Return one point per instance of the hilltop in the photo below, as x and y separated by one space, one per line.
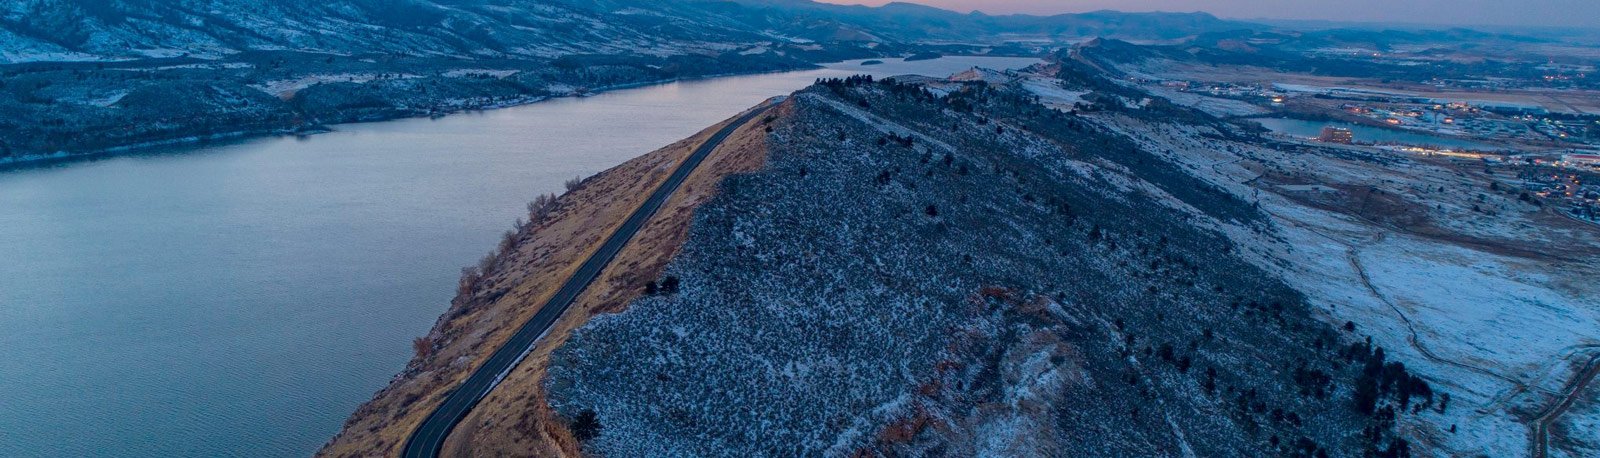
972 274
1043 262
948 267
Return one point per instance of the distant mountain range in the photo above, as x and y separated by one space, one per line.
53 30
85 76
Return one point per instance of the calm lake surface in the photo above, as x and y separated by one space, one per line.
1366 134
243 299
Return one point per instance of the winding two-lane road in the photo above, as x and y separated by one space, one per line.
1574 391
428 439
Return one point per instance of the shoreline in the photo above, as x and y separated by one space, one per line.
15 163
63 157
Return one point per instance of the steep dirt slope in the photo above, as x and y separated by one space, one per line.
526 269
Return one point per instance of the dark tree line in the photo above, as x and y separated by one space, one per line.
846 82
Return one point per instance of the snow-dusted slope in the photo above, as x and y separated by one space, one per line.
1479 292
884 288
331 61
972 275
43 30
105 75
122 29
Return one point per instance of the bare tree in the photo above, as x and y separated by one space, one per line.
422 346
541 206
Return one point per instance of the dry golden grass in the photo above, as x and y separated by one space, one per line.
514 420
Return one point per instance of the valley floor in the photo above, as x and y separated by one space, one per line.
1487 295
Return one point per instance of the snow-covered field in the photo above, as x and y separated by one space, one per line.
1318 249
15 48
1471 303
287 87
1216 106
477 72
1584 417
1051 94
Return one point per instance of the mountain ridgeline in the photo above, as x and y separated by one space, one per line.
87 76
968 273
518 28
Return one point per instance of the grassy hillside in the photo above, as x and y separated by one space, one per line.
970 274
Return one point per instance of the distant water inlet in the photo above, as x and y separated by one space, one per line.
1369 134
243 299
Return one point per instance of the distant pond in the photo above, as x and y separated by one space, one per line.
1369 134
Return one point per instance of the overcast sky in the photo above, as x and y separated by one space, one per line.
1582 13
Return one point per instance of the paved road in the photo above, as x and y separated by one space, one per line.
427 440
1541 425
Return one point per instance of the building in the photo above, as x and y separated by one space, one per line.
1582 160
1331 134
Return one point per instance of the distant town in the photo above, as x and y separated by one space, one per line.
1531 133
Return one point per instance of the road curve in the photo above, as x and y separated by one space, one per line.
1541 425
428 439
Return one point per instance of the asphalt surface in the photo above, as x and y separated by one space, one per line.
428 439
1541 426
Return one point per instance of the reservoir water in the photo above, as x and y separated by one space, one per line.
242 299
1369 134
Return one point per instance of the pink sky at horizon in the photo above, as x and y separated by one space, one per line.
1565 13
